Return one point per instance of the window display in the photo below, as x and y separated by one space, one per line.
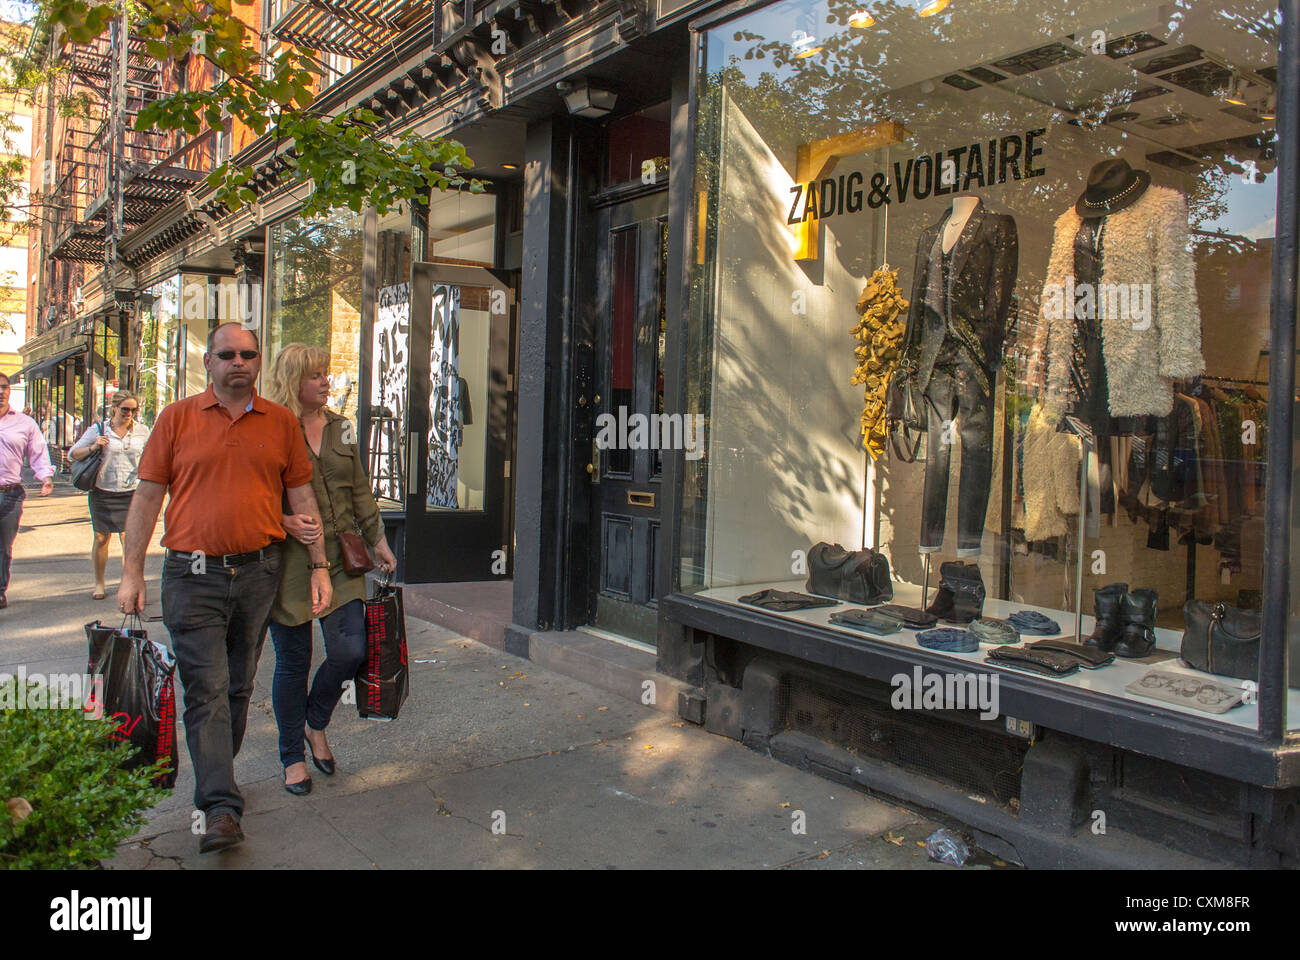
985 294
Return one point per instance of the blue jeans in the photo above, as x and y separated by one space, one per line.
11 511
345 649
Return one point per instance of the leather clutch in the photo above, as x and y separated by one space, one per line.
1090 658
912 618
1049 663
868 621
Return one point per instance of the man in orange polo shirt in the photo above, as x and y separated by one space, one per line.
229 458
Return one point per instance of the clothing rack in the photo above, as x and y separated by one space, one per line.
1191 545
1246 380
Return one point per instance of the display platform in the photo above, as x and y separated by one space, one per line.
1108 681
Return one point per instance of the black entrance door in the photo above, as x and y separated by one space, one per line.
458 491
625 469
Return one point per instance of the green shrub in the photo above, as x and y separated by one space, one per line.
68 768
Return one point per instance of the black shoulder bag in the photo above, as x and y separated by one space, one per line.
86 472
905 411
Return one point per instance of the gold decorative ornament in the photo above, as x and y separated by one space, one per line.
880 330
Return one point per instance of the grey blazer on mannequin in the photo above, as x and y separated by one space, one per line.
984 262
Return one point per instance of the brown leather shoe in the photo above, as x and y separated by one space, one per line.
3 602
223 833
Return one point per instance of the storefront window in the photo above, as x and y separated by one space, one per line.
462 228
315 296
1048 225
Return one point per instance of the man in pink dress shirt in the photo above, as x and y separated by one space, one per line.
20 438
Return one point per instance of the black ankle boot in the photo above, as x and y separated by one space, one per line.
961 593
1139 613
1108 603
941 606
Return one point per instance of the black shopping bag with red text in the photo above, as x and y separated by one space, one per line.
137 692
384 679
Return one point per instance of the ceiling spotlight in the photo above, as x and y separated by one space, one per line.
510 166
585 99
804 46
861 19
1236 94
1270 110
928 8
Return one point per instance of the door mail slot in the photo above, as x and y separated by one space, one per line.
640 499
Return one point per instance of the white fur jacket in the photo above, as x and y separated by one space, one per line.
1051 478
1146 301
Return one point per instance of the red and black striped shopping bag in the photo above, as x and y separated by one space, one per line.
384 679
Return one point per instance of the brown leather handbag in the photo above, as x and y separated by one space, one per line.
352 548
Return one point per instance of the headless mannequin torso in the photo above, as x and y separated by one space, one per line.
962 208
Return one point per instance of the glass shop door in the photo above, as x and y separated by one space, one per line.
460 425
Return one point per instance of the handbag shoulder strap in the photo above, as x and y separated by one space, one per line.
333 519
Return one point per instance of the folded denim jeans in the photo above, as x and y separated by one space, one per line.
993 631
949 640
1031 621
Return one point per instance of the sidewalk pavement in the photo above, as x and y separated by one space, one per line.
493 763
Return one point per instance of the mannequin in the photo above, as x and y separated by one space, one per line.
961 300
1124 232
962 207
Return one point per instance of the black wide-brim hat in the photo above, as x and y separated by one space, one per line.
1112 186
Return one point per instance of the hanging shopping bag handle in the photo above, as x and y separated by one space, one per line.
130 621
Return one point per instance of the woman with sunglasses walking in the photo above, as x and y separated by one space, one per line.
122 440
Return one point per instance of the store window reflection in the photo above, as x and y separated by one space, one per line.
314 296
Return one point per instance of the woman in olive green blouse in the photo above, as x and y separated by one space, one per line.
300 381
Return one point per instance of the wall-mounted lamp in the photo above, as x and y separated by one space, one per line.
585 99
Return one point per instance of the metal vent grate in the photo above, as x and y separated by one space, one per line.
962 755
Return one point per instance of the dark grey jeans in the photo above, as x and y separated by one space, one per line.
11 511
217 621
959 411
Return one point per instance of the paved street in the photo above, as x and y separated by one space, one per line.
570 776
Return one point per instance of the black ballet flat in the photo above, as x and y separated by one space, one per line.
299 789
324 766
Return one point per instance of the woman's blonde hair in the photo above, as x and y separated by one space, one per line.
292 365
121 397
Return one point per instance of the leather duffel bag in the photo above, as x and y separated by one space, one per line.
858 576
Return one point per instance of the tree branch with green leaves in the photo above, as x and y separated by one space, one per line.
344 157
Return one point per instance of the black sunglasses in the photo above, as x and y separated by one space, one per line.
243 354
128 409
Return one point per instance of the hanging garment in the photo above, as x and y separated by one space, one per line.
880 330
1050 477
1146 252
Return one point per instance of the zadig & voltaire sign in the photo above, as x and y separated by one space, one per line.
954 170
